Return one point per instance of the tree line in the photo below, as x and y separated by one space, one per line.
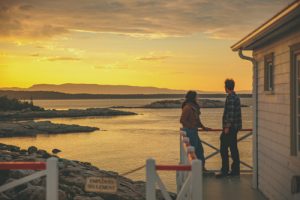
7 104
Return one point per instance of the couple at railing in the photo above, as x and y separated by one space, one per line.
231 124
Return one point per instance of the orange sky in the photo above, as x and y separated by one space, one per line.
173 44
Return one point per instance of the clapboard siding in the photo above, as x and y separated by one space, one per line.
278 136
276 179
275 165
274 98
274 108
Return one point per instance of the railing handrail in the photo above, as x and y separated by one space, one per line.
173 167
219 129
49 169
22 165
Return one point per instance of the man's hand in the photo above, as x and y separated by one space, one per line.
226 130
206 128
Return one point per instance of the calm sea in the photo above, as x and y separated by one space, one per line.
125 142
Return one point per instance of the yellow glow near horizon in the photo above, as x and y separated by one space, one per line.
190 63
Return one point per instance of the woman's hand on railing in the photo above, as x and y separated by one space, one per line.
206 128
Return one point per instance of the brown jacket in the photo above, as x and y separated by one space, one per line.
190 117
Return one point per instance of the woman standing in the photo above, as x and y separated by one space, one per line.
190 120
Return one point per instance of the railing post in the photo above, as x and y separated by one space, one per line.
52 179
186 140
181 150
150 179
196 182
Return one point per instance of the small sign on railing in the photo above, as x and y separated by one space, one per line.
101 184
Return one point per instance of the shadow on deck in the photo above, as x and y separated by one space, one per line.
230 188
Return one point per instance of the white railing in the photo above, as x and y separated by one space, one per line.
248 167
188 175
49 169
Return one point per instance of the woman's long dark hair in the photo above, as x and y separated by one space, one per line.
190 97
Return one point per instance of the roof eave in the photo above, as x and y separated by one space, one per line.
265 28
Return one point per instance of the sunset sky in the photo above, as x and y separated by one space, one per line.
178 44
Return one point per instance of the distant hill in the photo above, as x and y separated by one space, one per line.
71 88
59 95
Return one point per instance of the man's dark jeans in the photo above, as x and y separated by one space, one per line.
229 140
195 141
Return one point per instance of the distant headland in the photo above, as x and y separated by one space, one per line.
40 95
96 91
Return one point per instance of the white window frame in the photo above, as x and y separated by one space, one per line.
295 99
297 68
269 73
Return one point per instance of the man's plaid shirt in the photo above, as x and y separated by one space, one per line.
232 116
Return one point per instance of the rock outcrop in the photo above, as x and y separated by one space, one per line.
32 128
28 114
72 178
204 103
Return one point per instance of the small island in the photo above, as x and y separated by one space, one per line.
32 128
203 103
89 112
12 111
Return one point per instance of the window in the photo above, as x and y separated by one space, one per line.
295 99
269 72
297 62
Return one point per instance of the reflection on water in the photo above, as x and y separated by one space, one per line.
125 142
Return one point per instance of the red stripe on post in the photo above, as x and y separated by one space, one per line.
211 130
22 165
173 167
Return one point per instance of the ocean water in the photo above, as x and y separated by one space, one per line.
125 142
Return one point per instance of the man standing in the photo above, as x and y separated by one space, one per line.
232 123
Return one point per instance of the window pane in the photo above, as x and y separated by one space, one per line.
298 88
298 68
271 76
298 106
298 142
298 125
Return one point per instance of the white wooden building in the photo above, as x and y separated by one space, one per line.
276 92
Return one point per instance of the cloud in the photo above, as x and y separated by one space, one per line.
35 55
116 65
148 18
58 58
153 58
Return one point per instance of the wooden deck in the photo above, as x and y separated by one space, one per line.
230 188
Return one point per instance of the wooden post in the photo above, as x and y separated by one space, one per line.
150 180
196 182
52 179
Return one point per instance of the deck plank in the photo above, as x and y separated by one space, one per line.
230 188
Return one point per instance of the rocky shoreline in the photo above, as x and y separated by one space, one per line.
72 179
89 112
32 128
204 103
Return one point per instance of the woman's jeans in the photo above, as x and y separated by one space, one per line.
195 141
